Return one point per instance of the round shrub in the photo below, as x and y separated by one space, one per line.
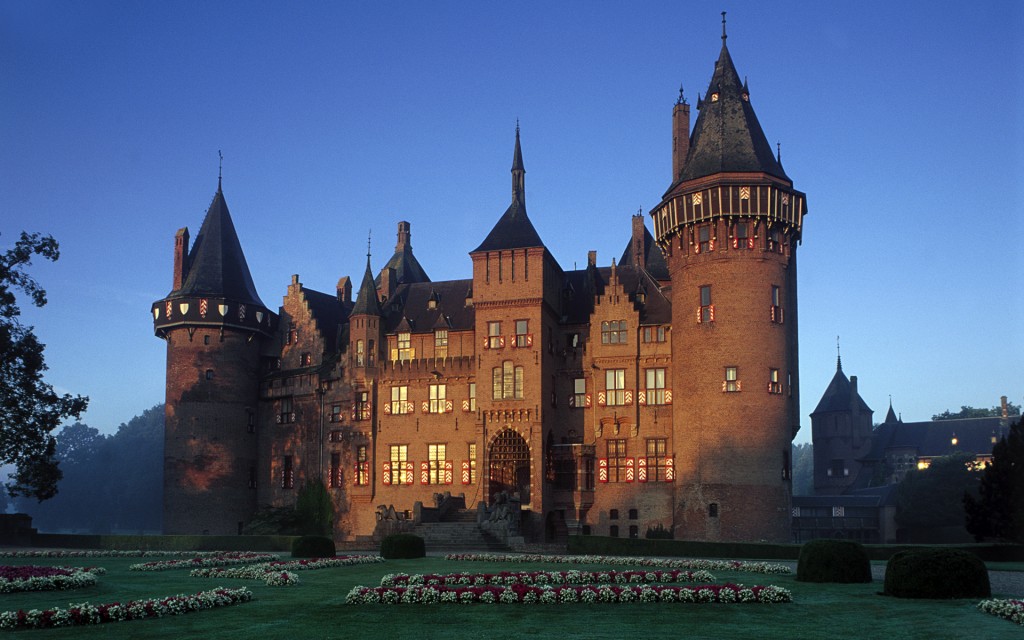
313 547
833 561
937 574
402 545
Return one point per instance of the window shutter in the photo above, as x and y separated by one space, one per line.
447 471
602 469
465 472
641 472
387 473
408 473
424 473
630 469
670 470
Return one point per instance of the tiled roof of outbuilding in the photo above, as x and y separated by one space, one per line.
409 308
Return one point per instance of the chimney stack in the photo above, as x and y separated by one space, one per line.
639 254
680 135
180 257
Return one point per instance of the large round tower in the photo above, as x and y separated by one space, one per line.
729 226
214 324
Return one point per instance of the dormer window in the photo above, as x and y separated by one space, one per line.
714 97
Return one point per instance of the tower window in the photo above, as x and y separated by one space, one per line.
399 456
441 343
655 386
705 242
438 398
774 384
579 395
285 415
362 405
362 466
775 241
494 340
776 310
615 387
206 339
713 510
306 359
732 381
334 479
706 310
209 374
287 473
472 396
523 338
741 238
360 353
400 400
507 382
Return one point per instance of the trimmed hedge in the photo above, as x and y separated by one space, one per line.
936 574
603 545
402 545
163 543
833 561
313 547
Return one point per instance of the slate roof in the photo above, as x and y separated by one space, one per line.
656 265
217 266
329 313
366 298
934 438
409 308
837 395
514 229
727 136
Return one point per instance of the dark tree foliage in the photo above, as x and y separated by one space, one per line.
971 412
933 497
112 483
803 469
998 511
315 509
29 408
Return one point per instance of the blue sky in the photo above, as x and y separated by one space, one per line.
901 122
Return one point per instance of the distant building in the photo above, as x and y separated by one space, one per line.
857 466
659 390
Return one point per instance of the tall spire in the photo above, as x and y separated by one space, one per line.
366 299
518 171
839 356
723 29
220 169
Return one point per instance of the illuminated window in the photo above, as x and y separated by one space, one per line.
305 359
405 350
493 335
362 466
507 382
522 333
400 400
471 455
655 386
436 459
399 456
438 395
615 386
335 413
732 381
774 384
656 456
360 353
441 343
616 461
613 332
362 405
472 396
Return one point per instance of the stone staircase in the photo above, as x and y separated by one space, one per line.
458 534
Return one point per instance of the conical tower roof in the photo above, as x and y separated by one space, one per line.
217 266
839 395
366 300
407 268
514 229
727 136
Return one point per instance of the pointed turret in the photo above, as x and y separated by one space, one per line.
890 416
366 300
514 229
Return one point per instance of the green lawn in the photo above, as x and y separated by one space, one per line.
316 609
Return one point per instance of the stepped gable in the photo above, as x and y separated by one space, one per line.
329 313
410 308
217 266
727 137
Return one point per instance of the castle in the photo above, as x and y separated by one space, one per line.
661 390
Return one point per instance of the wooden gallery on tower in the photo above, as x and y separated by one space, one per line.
660 391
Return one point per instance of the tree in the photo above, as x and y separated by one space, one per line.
998 511
971 412
29 408
803 469
932 497
314 509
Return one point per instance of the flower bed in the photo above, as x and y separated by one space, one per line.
261 571
34 578
105 553
85 613
220 560
698 564
543 578
1012 610
524 594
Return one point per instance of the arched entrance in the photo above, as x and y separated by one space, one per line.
509 466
